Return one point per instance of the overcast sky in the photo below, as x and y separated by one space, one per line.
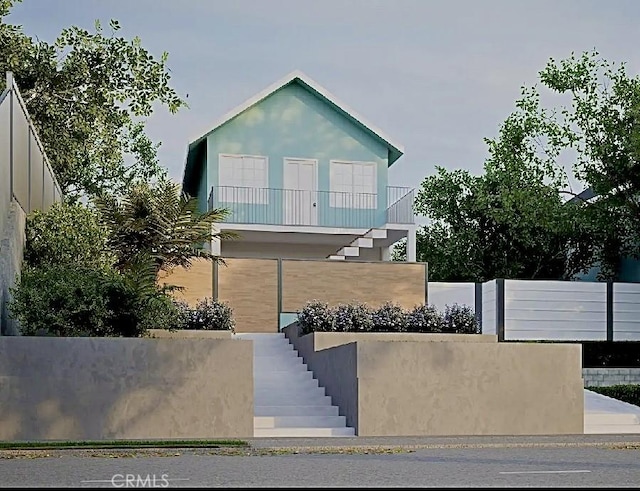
436 76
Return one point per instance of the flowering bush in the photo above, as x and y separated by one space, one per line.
425 318
315 316
208 314
389 318
460 319
355 317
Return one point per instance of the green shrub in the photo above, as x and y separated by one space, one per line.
66 234
425 318
460 319
627 393
389 318
357 317
65 300
208 314
162 312
353 317
315 316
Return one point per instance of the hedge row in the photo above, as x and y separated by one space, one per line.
626 393
358 317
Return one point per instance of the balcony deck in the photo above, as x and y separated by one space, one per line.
269 206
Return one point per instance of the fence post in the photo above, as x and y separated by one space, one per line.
609 311
279 290
478 304
426 283
10 95
500 308
215 280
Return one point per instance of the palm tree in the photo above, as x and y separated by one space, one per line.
158 227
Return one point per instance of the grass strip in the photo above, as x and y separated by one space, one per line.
100 444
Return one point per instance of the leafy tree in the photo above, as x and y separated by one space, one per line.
511 221
601 126
66 234
505 224
158 227
88 94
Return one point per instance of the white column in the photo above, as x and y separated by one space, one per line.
386 253
411 245
215 242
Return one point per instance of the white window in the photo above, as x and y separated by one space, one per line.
353 185
243 179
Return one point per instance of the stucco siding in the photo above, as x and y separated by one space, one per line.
116 388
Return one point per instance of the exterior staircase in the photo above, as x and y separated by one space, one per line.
288 402
365 242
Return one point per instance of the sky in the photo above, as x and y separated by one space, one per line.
436 76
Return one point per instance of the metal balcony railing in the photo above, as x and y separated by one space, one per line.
400 205
269 206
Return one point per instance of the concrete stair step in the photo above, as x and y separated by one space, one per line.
376 233
285 376
259 335
302 432
612 419
281 351
283 357
259 368
293 384
349 251
611 429
364 242
335 257
304 400
305 391
299 422
323 410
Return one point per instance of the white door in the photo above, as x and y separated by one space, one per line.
300 192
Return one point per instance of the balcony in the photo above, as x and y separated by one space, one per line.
268 206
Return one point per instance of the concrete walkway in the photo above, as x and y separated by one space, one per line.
604 415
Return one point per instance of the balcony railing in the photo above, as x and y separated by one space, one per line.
269 206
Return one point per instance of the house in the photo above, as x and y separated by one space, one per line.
303 176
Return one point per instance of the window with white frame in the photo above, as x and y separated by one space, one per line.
353 185
243 179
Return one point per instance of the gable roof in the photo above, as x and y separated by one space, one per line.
395 150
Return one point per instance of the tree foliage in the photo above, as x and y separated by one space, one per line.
66 300
88 94
160 224
513 221
66 234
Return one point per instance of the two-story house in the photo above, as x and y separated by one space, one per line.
303 176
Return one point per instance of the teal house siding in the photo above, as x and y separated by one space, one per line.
291 122
294 123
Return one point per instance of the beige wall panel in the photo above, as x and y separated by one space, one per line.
250 286
345 281
197 281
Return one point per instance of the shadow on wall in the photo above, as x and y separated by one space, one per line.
117 388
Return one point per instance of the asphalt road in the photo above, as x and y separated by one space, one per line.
433 467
